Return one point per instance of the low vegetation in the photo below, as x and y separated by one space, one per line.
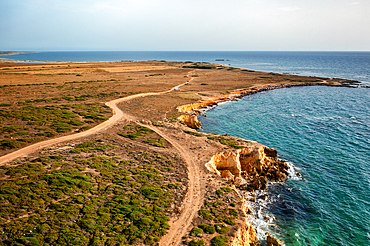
227 140
217 217
29 124
143 134
86 194
200 66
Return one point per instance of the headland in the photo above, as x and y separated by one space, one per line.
145 178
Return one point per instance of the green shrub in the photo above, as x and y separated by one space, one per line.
206 214
209 229
229 221
221 228
196 232
219 193
233 212
219 241
197 134
32 241
226 189
158 142
173 186
197 243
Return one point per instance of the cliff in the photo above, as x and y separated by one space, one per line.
190 120
249 168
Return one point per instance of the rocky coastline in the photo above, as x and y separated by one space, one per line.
193 110
251 166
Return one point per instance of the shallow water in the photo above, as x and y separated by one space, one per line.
325 133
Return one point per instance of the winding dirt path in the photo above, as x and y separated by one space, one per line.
117 115
192 201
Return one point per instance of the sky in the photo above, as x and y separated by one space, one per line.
186 25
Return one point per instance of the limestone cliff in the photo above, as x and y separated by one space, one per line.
245 236
250 167
190 120
194 106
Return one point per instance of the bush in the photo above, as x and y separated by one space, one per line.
209 229
219 193
222 229
197 243
229 221
197 232
226 189
219 241
206 214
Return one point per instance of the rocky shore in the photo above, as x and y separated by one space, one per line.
192 110
251 166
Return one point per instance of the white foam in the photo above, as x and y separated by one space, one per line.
260 219
293 172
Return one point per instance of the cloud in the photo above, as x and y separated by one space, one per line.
290 9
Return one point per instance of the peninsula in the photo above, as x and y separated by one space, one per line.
106 153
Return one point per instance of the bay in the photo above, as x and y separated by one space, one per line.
325 133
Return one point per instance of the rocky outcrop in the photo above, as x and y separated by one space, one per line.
194 106
273 241
249 168
190 120
245 236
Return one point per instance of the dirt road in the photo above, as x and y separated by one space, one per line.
117 115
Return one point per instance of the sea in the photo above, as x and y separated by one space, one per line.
322 132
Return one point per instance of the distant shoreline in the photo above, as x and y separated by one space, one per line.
348 65
10 53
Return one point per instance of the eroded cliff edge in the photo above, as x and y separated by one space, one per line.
242 166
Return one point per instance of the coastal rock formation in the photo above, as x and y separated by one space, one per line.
273 241
194 106
226 174
249 168
245 236
190 120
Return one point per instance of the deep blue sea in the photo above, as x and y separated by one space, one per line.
348 65
324 132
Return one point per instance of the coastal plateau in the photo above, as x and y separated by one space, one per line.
106 154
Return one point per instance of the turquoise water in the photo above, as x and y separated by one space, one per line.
325 133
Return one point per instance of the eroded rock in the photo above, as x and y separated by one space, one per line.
239 182
190 120
226 174
250 167
273 241
245 236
